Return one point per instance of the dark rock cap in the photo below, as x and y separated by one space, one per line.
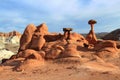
92 21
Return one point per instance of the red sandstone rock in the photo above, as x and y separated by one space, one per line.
53 37
70 51
105 43
106 49
91 37
37 41
31 54
42 28
118 44
27 36
107 53
14 33
29 64
75 37
67 33
54 52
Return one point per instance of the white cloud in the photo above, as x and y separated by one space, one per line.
61 13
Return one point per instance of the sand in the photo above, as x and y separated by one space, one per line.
64 69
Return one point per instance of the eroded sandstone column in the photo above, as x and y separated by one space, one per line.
67 33
91 37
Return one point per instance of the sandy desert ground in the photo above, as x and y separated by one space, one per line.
64 69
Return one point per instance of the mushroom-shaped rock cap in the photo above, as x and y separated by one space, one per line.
67 29
92 21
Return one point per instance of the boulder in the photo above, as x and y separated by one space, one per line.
31 54
27 36
54 52
42 28
37 41
75 37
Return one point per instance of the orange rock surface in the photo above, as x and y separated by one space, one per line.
91 37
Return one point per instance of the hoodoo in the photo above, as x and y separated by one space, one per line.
91 37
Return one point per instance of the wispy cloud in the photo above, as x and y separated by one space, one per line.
16 14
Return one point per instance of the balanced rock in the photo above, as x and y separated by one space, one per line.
67 33
91 37
5 54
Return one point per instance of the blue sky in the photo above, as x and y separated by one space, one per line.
17 14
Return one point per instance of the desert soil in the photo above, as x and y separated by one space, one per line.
65 69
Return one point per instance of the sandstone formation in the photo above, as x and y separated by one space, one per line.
26 37
29 64
53 37
42 28
75 37
91 37
37 41
30 54
11 37
106 49
118 44
70 51
67 33
54 52
37 45
14 33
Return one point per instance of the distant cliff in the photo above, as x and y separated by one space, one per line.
11 37
114 35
